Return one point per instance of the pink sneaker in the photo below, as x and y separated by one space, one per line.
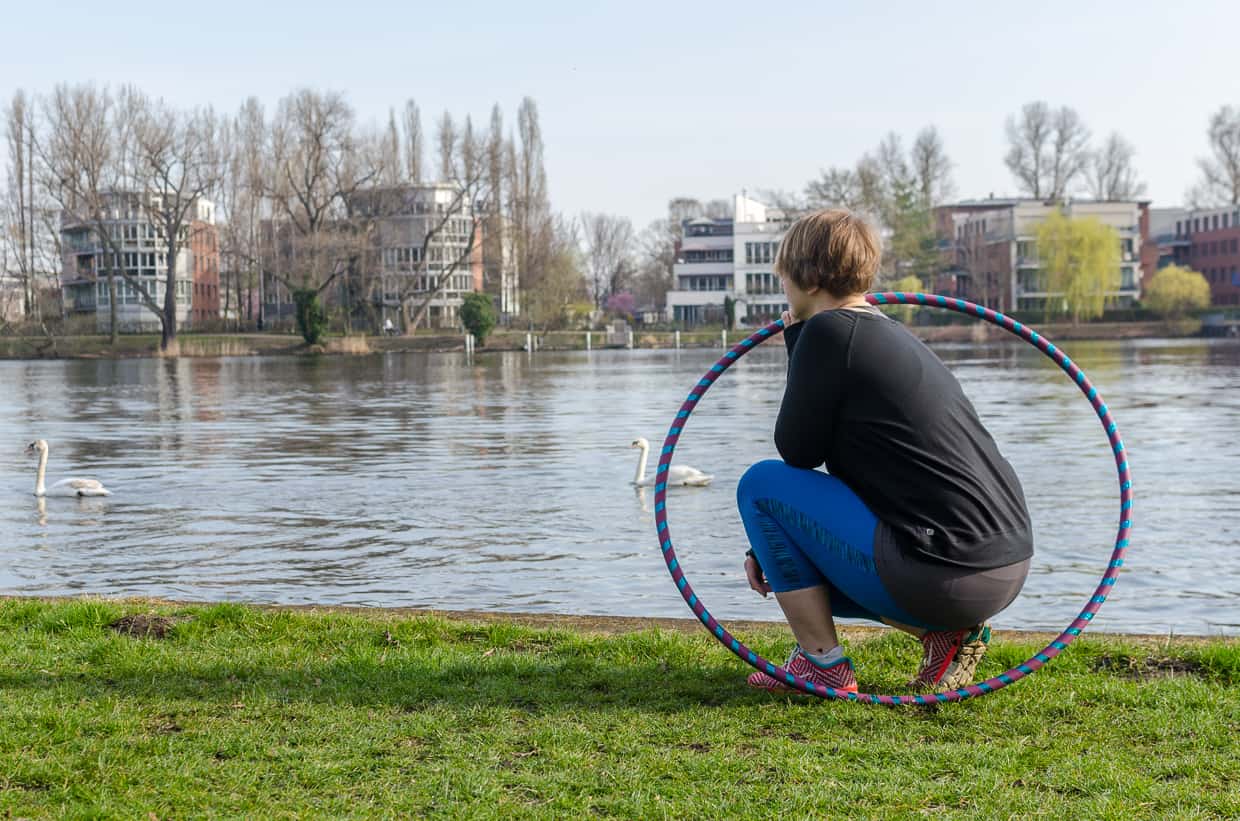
838 675
950 658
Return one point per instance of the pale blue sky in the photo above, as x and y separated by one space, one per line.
644 101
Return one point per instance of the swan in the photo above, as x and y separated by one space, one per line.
65 487
676 474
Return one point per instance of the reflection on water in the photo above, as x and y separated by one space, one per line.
503 483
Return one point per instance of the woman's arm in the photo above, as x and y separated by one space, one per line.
816 372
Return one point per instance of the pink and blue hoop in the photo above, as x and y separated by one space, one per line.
1031 665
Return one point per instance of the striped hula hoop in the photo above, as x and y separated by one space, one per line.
1025 668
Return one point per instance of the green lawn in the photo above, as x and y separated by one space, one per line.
279 713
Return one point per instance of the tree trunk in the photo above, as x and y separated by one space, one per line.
112 335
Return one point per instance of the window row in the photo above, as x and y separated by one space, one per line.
706 283
760 253
1215 247
711 255
762 284
127 294
1214 222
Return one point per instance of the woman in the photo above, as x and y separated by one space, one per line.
919 522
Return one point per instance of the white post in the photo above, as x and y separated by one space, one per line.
469 344
529 343
630 339
723 336
537 342
678 340
588 340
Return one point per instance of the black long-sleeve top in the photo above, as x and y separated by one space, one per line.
884 414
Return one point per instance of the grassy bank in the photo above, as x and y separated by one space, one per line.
250 712
280 344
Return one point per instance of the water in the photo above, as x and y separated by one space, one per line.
426 480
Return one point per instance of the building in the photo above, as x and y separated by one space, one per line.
1169 238
1213 237
12 298
721 259
137 245
400 217
988 249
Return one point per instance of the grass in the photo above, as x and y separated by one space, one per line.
251 712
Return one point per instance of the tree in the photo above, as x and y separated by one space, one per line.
89 156
178 165
1081 261
1047 149
413 142
317 167
608 248
534 239
1175 291
478 315
834 188
1069 151
562 283
1220 172
1110 172
931 167
908 285
729 312
446 137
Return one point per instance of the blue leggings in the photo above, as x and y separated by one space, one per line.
807 528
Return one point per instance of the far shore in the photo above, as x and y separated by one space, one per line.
191 344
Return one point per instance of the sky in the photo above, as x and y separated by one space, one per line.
641 102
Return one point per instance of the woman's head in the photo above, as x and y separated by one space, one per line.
831 250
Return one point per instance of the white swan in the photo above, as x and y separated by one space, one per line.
65 487
676 474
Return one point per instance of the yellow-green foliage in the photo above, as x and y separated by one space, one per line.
1080 259
910 284
1174 291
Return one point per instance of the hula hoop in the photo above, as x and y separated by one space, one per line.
1028 667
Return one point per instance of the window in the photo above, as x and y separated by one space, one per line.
1216 222
1177 228
1234 245
749 253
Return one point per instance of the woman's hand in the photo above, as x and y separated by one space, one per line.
757 580
788 319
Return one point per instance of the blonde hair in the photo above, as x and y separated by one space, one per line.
833 249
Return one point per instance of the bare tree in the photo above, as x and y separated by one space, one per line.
1048 150
931 167
18 218
608 251
1111 173
392 171
531 217
413 142
86 160
1220 172
240 209
446 137
495 259
834 188
317 166
1029 138
178 164
1069 151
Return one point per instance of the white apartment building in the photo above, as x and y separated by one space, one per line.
403 215
137 246
722 258
994 246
